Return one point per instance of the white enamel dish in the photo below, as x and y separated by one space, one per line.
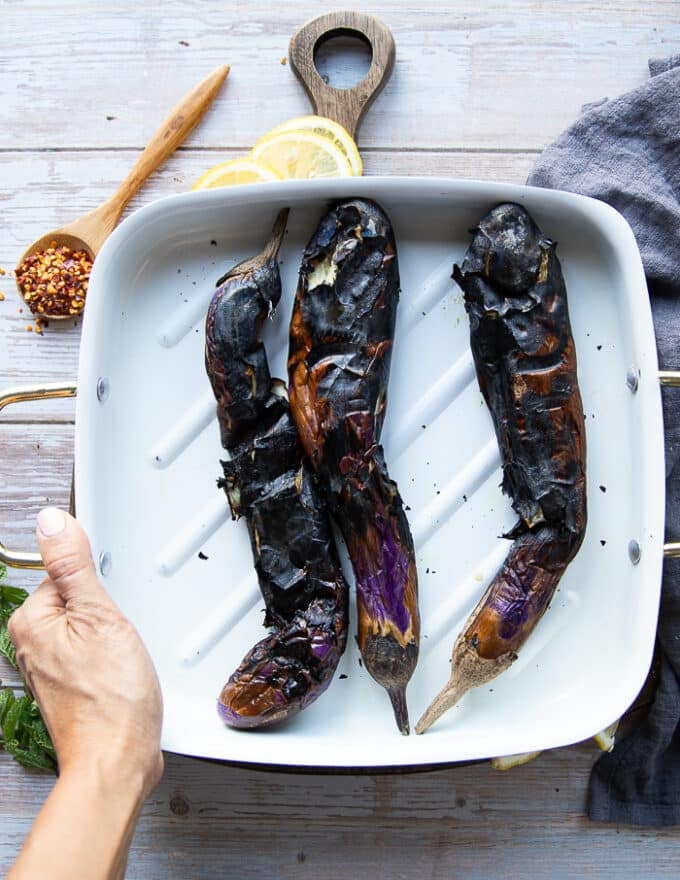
147 458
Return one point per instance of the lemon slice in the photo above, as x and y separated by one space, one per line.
605 738
327 128
233 172
507 762
301 154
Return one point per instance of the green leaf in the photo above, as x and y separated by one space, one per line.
25 736
10 599
24 724
41 738
31 757
6 647
9 724
23 733
12 595
13 717
6 699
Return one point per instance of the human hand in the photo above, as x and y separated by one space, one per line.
87 666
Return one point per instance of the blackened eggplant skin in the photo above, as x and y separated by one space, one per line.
525 359
341 338
268 480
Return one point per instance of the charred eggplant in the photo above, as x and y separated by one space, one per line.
268 480
525 359
340 349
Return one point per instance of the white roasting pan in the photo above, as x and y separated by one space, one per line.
147 454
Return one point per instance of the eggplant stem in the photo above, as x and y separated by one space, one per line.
391 665
446 699
273 246
468 671
398 699
268 253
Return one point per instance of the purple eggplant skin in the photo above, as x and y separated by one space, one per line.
524 353
525 358
268 481
342 332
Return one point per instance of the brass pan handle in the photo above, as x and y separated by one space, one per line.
44 391
670 378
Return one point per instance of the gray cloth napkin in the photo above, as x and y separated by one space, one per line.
627 152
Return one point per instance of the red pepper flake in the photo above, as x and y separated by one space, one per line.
55 280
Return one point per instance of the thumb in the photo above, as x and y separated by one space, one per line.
66 554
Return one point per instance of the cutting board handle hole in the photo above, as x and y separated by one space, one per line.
342 58
338 48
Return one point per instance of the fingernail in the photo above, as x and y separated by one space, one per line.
51 521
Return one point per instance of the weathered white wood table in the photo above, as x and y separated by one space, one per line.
478 90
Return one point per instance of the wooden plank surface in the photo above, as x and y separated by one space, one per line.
467 75
477 91
206 820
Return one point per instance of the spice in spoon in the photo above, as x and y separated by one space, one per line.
54 281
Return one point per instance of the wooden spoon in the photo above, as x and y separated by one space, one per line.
89 232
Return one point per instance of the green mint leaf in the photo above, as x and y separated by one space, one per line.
10 599
9 724
23 733
6 646
13 718
41 738
26 719
33 758
25 736
6 699
13 595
